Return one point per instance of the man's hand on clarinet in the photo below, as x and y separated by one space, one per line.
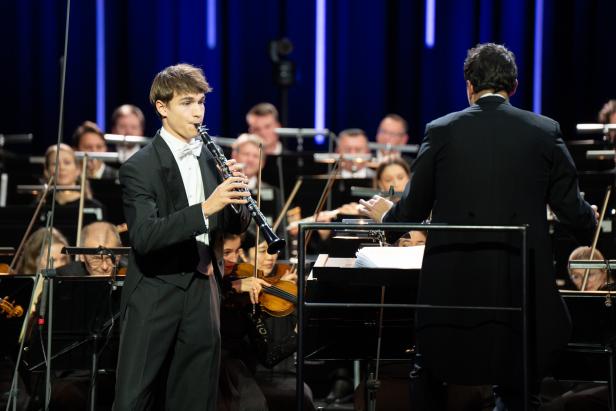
375 208
234 190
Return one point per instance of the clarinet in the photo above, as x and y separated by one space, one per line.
274 243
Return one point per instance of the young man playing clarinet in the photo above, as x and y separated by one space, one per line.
175 204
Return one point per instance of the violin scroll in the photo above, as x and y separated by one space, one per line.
10 309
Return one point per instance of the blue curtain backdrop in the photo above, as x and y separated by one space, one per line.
377 61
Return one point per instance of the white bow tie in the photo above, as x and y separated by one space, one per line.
194 148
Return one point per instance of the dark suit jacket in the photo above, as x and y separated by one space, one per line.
109 173
161 225
491 164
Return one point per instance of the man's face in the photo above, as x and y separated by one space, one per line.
128 125
248 154
353 145
391 132
98 265
596 278
94 143
264 127
181 114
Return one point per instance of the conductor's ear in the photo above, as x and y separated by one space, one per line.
515 88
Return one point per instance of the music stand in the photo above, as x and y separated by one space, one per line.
107 327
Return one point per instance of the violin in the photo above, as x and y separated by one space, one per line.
10 309
279 299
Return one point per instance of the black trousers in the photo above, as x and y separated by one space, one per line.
170 347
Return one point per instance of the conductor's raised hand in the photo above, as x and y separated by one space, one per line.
375 208
234 190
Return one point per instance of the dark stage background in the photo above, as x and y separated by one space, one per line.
377 61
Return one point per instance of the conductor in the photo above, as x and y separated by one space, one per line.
490 164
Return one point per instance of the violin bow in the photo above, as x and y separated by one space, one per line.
324 194
596 237
36 213
286 206
82 192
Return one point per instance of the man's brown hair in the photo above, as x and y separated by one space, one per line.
86 127
398 118
264 109
125 110
606 112
179 79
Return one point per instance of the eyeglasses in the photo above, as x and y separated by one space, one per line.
95 261
591 274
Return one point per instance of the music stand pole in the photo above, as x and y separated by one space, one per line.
95 338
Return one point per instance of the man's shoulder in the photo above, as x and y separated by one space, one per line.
516 114
142 158
447 119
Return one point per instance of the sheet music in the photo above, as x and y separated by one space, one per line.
390 257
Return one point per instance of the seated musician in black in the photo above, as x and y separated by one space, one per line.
95 235
33 260
598 278
257 363
67 202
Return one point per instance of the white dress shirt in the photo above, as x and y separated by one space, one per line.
193 185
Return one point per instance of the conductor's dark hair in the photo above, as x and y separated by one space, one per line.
491 66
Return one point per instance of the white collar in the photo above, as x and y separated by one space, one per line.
490 95
174 143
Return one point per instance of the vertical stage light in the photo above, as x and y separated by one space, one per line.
319 70
430 15
211 24
100 63
538 56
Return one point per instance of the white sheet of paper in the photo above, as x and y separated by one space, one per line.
390 257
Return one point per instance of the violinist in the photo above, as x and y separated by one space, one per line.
392 173
31 261
597 278
68 174
256 368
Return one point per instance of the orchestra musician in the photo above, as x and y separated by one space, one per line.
246 152
353 141
490 164
127 120
175 204
90 138
262 120
607 115
95 235
31 261
597 277
68 174
393 130
254 344
392 173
